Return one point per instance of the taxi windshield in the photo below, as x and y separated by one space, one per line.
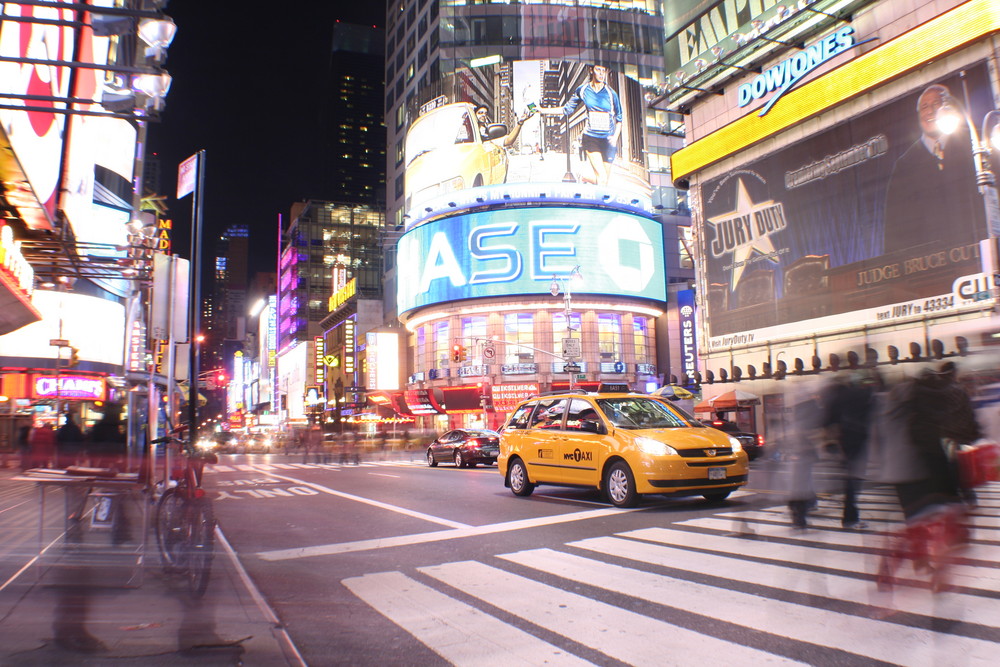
639 413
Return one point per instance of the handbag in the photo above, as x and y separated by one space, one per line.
978 464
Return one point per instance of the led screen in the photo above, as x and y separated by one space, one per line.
37 134
521 250
876 219
528 121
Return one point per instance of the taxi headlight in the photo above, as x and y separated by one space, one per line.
654 447
735 444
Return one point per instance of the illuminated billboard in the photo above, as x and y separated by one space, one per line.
876 219
518 251
36 134
530 121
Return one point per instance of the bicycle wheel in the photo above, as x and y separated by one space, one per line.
200 545
170 528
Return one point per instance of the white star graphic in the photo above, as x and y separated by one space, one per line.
745 208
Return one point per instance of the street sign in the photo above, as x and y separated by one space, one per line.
571 368
581 376
489 351
59 342
571 348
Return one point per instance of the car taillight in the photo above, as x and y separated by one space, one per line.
760 440
473 442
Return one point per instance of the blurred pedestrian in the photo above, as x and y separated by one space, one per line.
107 443
909 426
847 412
802 443
42 446
70 442
312 443
23 446
961 427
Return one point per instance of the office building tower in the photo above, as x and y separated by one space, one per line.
529 198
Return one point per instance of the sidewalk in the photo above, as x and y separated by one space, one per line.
107 619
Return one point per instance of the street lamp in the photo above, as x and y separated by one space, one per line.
948 119
565 284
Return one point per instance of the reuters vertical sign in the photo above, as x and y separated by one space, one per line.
689 339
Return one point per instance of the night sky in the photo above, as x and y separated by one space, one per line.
247 89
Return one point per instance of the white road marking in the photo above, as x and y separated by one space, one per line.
459 633
967 576
621 634
844 586
737 524
879 640
383 474
435 536
369 501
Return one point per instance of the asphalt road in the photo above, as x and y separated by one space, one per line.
396 563
301 531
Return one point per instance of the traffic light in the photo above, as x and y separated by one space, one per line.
220 378
74 357
457 352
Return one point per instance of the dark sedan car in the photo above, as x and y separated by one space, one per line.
753 443
464 447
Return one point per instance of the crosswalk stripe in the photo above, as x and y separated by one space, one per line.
879 640
619 633
878 520
981 552
458 632
986 579
950 605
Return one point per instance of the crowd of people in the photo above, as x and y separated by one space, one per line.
104 445
904 435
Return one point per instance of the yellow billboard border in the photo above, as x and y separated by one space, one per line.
949 31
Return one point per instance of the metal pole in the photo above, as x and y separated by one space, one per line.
194 298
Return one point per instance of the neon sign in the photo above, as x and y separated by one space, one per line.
783 76
68 386
13 262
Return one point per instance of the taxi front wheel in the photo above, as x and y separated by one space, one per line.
517 475
619 485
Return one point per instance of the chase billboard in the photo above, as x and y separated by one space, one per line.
518 251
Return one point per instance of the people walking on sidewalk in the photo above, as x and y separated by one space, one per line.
41 446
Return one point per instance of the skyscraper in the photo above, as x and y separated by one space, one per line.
354 162
522 155
325 245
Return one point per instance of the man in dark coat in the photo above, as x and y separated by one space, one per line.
69 442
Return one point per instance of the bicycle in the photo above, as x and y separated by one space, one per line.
184 521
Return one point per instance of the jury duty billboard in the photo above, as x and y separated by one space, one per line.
873 220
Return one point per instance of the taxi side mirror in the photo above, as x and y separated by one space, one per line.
592 426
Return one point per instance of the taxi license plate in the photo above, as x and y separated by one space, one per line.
716 473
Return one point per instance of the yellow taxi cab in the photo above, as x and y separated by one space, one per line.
625 445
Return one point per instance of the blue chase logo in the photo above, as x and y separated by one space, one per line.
783 76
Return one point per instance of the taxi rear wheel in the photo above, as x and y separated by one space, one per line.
619 485
517 475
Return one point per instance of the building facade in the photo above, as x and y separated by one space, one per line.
78 91
521 261
326 245
844 198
